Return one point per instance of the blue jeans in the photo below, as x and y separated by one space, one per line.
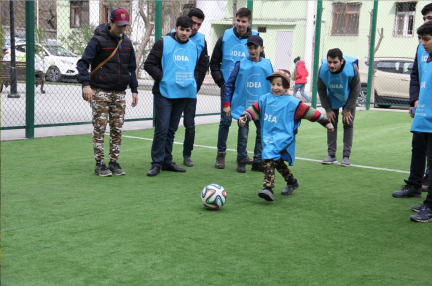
242 143
189 124
166 118
224 125
300 86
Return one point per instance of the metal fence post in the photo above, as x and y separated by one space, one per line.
250 7
371 55
30 68
158 33
316 53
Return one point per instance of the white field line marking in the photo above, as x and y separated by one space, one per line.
298 158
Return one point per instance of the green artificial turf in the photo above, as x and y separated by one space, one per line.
62 225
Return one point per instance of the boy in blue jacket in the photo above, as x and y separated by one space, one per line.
280 115
246 82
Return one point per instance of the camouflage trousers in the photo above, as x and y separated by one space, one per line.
107 105
269 167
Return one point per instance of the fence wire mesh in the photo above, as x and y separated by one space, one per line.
63 29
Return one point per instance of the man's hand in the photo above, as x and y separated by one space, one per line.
242 120
410 112
411 109
227 110
331 116
134 99
347 117
88 93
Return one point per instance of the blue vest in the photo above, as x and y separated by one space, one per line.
198 39
178 65
233 50
422 57
250 84
338 85
423 115
277 126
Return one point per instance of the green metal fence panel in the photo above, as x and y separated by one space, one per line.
289 29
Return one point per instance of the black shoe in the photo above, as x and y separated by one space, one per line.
173 168
155 169
187 161
241 167
408 191
266 194
417 208
290 188
115 168
424 215
257 166
102 170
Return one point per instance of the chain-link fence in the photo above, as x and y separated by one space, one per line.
288 28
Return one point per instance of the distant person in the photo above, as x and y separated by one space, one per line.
417 180
300 77
422 123
280 116
339 86
105 86
189 112
172 63
229 49
243 88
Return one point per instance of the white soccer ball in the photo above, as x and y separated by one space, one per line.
213 196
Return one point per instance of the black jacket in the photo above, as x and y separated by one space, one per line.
414 89
118 72
216 59
153 64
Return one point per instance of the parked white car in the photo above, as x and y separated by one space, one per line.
392 79
54 60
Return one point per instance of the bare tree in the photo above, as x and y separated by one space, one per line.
144 8
234 11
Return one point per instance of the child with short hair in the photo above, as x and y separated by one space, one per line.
280 116
247 82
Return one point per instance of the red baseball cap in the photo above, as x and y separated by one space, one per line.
120 17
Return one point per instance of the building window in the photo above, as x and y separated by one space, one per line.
404 24
262 29
345 19
79 13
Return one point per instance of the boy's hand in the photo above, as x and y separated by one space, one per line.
347 117
330 127
242 120
134 99
88 93
227 110
331 116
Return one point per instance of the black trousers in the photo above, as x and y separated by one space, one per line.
418 158
428 143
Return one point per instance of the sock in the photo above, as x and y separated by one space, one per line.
292 182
